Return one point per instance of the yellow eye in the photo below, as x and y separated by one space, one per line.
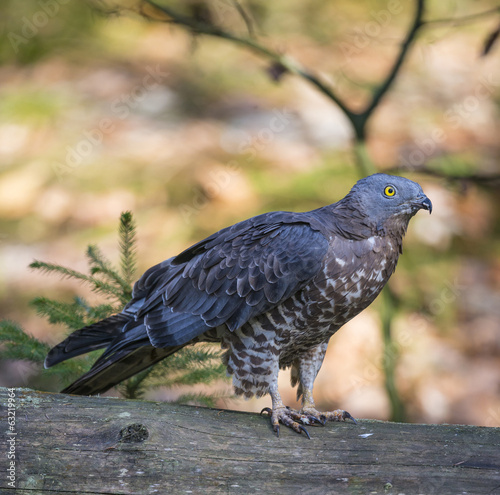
390 191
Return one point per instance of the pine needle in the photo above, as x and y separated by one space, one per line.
100 265
61 270
19 345
127 234
95 284
59 312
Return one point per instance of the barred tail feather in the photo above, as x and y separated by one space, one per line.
129 348
91 338
111 369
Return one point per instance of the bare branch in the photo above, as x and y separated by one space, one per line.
486 180
464 19
387 83
150 10
490 41
246 18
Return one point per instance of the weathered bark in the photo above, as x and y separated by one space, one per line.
86 445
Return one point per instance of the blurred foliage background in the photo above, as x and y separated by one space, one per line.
103 111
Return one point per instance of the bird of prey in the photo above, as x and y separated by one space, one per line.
272 290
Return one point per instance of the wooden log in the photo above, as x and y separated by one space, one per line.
98 445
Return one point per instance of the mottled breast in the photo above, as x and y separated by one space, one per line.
354 273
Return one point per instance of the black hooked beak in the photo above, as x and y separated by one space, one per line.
425 203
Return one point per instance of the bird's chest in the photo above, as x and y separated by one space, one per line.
352 276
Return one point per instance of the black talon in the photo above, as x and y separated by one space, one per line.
323 419
268 410
276 429
348 416
316 420
301 428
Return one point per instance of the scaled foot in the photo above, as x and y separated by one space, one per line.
337 415
306 416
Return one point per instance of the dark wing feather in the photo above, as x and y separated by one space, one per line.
230 277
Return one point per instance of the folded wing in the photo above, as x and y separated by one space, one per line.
230 277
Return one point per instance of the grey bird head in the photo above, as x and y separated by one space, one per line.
388 201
